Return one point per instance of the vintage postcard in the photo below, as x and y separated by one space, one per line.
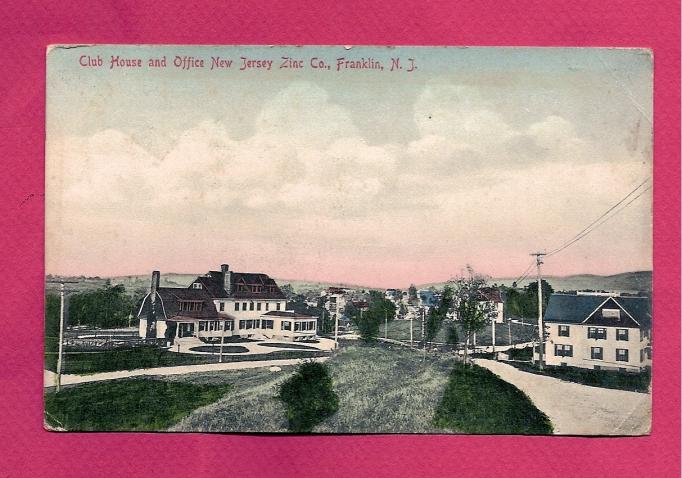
336 239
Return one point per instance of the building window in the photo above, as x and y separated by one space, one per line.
244 306
257 289
267 306
597 353
258 306
236 306
251 306
196 285
621 355
564 331
268 324
286 325
277 305
222 306
563 350
610 313
622 334
229 324
190 305
596 333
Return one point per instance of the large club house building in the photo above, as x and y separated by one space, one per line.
221 303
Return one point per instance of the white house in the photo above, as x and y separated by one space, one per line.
598 332
493 296
335 301
221 303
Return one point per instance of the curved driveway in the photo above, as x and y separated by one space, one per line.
577 409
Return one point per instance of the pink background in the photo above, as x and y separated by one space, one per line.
28 26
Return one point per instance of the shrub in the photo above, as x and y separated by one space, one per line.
309 397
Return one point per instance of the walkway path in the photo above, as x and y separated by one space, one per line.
49 377
185 345
577 409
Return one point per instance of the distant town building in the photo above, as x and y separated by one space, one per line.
394 295
223 303
335 299
604 332
493 296
427 298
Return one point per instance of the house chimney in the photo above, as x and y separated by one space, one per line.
227 278
156 277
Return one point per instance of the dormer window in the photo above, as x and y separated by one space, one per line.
610 313
190 305
242 288
257 289
196 285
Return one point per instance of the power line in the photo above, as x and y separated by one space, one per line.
524 275
603 218
591 227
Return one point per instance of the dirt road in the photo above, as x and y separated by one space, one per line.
576 409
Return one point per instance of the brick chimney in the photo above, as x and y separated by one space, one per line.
227 278
156 277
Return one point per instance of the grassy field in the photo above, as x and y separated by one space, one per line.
634 382
477 401
149 356
400 330
381 389
129 404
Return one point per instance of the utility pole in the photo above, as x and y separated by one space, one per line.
222 339
493 322
509 325
336 329
422 309
541 329
385 324
61 330
411 334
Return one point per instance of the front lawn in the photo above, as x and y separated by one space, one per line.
381 388
634 382
128 404
478 401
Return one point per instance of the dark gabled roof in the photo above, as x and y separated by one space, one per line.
250 278
638 307
213 284
491 294
168 304
574 309
289 313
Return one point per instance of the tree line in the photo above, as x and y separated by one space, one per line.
106 307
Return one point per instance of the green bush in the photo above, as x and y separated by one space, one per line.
477 401
309 397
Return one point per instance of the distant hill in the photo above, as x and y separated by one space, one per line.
625 282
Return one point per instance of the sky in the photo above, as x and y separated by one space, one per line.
479 156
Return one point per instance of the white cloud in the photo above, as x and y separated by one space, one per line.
471 180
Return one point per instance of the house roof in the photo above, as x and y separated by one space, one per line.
213 284
491 294
170 298
575 309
